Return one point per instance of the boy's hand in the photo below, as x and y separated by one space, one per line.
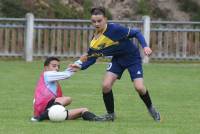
147 51
83 58
74 67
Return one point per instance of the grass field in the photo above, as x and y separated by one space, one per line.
175 91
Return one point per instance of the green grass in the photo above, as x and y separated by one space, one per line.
174 89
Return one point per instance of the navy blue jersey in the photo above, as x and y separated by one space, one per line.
116 41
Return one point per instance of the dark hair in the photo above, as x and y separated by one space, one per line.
49 59
98 11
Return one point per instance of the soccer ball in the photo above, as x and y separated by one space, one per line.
57 113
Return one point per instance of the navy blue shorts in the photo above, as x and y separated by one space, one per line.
135 70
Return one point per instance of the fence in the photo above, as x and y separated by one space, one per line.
30 38
175 40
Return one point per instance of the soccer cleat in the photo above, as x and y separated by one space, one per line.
34 119
155 114
108 117
98 118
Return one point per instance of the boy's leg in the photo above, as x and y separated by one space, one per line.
84 113
152 111
136 74
144 95
65 100
108 98
76 113
114 72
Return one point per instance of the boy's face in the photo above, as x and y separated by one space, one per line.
99 22
54 65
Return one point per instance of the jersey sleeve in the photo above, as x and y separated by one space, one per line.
88 63
54 75
121 32
135 33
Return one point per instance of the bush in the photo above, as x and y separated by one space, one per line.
190 7
12 8
63 12
45 9
143 7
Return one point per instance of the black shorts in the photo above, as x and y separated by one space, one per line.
50 103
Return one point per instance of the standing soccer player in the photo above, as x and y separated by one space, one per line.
114 40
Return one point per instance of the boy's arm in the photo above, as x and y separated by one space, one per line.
138 35
89 62
125 32
51 76
83 63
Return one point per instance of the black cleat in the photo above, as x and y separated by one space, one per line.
108 117
154 114
98 118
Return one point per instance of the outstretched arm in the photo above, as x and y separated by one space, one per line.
51 76
83 63
90 61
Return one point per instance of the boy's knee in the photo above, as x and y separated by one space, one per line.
67 100
106 87
140 89
83 110
64 100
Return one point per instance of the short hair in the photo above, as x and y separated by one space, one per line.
49 59
98 11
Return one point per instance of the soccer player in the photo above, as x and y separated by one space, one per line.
48 92
114 40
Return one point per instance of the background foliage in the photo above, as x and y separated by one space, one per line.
79 9
190 7
44 9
